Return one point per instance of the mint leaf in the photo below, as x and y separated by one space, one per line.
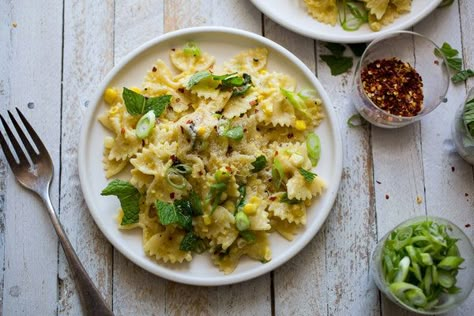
166 213
337 64
335 49
185 213
235 133
446 50
284 199
454 63
198 76
134 102
191 242
129 198
307 175
158 104
463 75
259 163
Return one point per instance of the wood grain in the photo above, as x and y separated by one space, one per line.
88 56
30 261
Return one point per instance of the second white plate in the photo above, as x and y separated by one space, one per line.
292 14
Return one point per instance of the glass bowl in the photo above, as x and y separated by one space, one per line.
418 51
464 277
462 139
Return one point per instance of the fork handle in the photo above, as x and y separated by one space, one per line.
92 301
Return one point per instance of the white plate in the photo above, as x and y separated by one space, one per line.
222 43
292 14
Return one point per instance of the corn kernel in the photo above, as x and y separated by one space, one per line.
300 125
260 98
136 89
110 95
250 209
201 131
263 71
206 219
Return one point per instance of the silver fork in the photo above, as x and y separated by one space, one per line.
36 174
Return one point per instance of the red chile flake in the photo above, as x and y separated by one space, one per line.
394 86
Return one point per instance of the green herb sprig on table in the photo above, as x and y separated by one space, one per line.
337 62
454 62
468 117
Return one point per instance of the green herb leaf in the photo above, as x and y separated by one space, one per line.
358 49
235 133
248 236
468 117
215 194
129 198
307 175
179 212
313 147
463 75
158 104
446 50
198 76
134 102
335 49
191 49
191 242
284 199
259 164
337 64
454 63
196 203
241 201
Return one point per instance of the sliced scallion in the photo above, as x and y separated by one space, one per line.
175 179
313 147
145 125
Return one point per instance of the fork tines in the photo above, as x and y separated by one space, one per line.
26 155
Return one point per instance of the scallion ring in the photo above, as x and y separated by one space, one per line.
183 168
175 179
145 124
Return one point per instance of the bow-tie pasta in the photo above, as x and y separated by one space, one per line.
218 156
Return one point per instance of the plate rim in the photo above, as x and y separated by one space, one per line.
363 38
222 279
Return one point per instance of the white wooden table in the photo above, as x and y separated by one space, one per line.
53 54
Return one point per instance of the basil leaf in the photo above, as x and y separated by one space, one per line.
235 133
463 75
134 102
337 64
307 175
335 49
158 104
129 198
198 76
259 163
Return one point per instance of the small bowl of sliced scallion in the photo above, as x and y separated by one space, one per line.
425 265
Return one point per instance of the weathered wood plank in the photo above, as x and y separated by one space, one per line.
30 262
299 285
350 229
88 55
447 176
136 22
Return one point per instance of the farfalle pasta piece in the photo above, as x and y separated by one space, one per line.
286 229
165 246
154 159
324 11
251 61
293 213
190 63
